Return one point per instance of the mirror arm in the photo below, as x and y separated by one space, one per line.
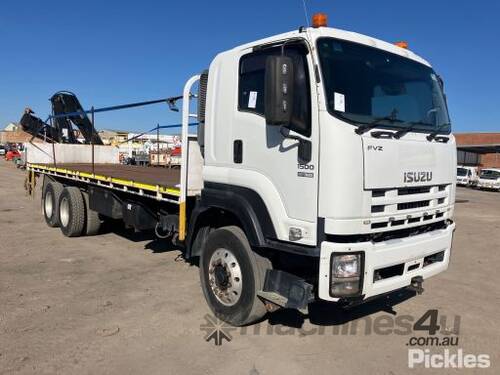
288 135
304 154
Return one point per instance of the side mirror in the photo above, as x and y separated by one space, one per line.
278 90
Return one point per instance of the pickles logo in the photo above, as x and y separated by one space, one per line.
447 359
417 176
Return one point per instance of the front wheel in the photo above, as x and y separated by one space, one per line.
231 274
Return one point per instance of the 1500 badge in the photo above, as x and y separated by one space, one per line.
417 176
303 168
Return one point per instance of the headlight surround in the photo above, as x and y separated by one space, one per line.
346 271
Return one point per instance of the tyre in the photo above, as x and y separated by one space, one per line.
231 274
71 212
92 218
50 202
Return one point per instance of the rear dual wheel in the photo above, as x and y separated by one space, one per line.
71 212
76 217
68 208
50 202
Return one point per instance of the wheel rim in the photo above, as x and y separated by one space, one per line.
64 211
48 205
224 277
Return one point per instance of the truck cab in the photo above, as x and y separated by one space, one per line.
333 148
467 176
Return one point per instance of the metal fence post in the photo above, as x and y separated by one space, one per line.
53 143
158 144
92 139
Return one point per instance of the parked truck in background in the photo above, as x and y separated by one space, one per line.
489 179
323 169
467 176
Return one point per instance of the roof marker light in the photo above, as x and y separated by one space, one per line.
319 20
402 44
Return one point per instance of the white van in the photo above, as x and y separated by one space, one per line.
467 176
489 179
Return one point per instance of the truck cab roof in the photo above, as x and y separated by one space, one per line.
312 34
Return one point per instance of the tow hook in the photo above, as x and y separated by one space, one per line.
416 284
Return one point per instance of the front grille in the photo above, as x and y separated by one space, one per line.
389 234
414 190
400 207
410 205
378 193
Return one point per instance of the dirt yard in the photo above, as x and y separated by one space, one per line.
125 303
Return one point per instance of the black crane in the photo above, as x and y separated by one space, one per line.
67 112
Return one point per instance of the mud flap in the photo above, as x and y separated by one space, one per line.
287 290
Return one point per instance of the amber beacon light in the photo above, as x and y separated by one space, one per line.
402 44
319 20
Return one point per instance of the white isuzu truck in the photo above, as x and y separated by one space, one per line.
323 169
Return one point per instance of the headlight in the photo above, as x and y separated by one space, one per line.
345 266
345 276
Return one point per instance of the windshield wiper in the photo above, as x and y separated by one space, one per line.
370 125
434 133
411 125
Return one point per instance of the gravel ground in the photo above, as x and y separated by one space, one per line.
125 303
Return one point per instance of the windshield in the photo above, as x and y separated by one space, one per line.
461 171
490 174
364 84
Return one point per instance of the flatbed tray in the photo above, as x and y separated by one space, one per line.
155 179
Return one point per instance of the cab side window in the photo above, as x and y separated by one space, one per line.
251 85
251 82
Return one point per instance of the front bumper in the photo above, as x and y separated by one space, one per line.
488 184
409 251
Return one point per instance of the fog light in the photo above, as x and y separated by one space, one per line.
345 274
345 288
